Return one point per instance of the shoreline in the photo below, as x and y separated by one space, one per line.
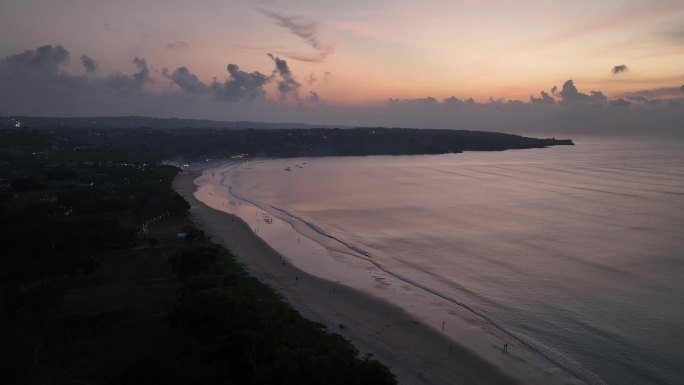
415 349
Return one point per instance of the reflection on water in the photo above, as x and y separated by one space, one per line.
576 249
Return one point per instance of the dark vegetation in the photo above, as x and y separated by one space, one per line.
234 329
87 222
190 144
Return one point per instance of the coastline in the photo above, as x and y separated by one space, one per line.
414 348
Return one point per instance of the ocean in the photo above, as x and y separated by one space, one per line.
576 251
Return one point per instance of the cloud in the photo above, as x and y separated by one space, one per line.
129 83
187 81
177 45
569 92
143 74
89 64
45 58
570 95
621 102
554 90
305 30
428 101
287 84
318 57
574 112
544 98
35 82
619 69
314 97
657 93
314 78
452 100
240 85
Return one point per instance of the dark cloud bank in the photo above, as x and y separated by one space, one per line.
35 82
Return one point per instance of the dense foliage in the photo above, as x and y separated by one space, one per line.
60 210
236 330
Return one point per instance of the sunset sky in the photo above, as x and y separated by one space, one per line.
360 53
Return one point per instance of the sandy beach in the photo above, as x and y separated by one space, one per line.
419 350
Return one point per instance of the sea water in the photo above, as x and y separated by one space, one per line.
578 251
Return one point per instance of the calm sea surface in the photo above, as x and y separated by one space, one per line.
577 250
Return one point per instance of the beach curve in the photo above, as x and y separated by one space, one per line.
415 348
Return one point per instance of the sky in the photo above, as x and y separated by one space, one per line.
487 64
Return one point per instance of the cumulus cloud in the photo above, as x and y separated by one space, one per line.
35 82
143 74
89 64
307 31
241 85
544 98
579 112
570 95
619 69
287 85
45 58
187 81
129 83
